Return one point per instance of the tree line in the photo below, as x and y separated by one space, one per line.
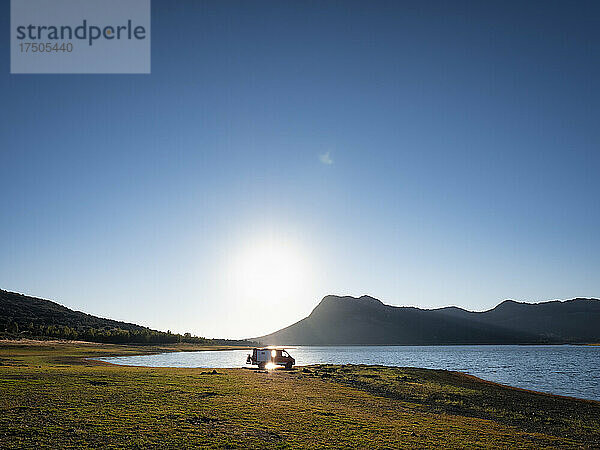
107 334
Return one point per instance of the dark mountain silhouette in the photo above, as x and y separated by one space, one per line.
367 321
576 320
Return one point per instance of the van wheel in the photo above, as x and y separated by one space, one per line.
261 366
288 365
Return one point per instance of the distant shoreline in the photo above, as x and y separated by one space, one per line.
182 347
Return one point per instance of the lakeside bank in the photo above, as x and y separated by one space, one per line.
52 395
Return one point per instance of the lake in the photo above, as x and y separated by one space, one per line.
556 369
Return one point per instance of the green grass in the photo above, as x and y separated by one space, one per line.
50 396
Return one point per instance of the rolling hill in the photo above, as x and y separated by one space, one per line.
367 321
25 316
23 310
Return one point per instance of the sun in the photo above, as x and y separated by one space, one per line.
269 270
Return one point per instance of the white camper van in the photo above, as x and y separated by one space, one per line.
270 355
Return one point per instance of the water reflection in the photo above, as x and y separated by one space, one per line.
565 369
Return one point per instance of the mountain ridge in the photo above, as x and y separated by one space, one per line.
365 320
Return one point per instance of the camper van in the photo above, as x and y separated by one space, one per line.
270 357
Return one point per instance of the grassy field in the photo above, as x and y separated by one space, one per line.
51 396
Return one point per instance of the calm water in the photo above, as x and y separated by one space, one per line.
563 369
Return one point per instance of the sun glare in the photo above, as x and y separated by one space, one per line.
269 270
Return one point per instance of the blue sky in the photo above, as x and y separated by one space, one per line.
428 154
